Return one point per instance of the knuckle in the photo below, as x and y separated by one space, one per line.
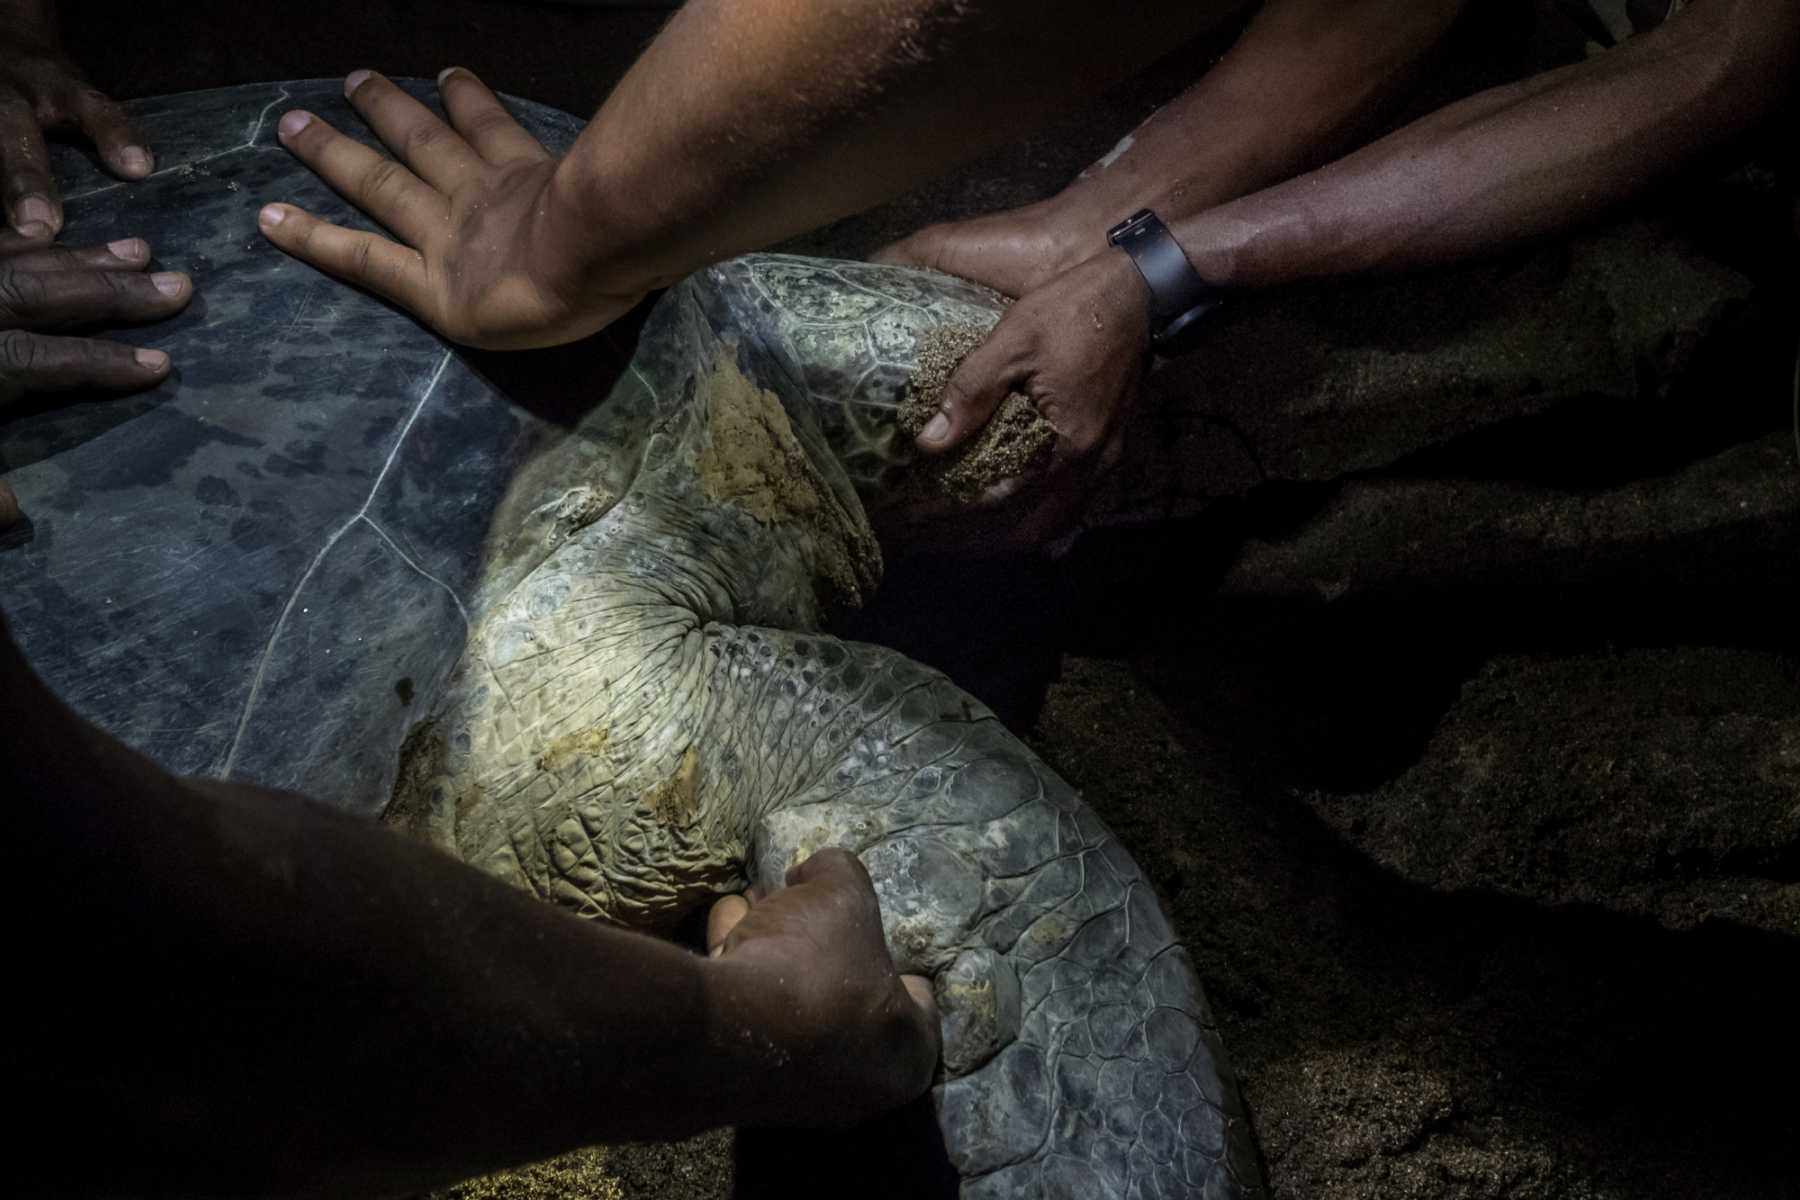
361 259
18 352
383 177
421 138
98 107
125 288
21 294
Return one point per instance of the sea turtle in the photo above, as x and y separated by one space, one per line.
330 556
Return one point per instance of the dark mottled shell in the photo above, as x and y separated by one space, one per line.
262 567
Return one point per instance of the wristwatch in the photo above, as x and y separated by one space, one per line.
1179 298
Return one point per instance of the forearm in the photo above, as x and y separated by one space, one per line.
1517 162
751 120
248 993
1305 76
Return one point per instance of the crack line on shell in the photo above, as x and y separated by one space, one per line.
262 665
248 144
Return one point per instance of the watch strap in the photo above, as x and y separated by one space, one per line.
1178 296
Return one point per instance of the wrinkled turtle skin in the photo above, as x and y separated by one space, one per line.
590 660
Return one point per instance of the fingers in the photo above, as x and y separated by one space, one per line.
13 242
832 864
27 190
366 260
974 391
919 990
724 917
436 153
9 507
58 299
104 122
126 254
928 1039
481 119
34 362
374 183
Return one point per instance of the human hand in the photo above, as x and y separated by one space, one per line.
45 287
490 257
1075 347
805 974
1013 252
41 88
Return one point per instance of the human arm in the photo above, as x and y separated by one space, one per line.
1486 174
1305 76
238 991
744 122
1517 162
41 88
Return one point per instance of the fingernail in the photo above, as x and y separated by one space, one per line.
135 160
169 283
446 73
271 215
151 360
936 428
35 229
715 952
34 210
354 80
128 249
292 123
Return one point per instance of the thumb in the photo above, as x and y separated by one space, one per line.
918 987
975 389
925 1013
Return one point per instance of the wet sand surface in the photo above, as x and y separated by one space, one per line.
1494 897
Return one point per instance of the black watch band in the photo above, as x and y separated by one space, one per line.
1179 298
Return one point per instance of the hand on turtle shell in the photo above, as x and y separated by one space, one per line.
1076 348
482 258
848 1036
1013 252
40 88
49 287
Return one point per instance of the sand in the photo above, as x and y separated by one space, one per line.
1017 441
578 1175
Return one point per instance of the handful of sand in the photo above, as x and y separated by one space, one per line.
1016 441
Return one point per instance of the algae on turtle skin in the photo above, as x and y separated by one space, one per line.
752 458
673 801
1016 441
582 744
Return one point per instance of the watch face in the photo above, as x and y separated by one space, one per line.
1131 226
